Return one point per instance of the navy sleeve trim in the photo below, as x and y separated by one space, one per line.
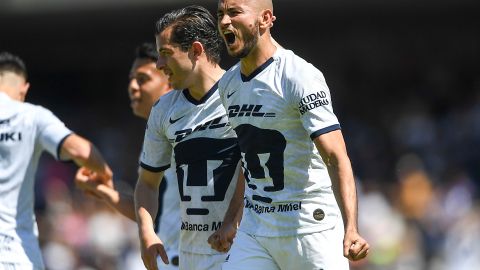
59 146
154 169
324 130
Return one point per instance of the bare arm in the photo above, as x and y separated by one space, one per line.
233 216
85 154
222 239
334 153
121 202
146 207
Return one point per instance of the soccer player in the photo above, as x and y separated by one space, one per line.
147 85
300 185
190 123
26 130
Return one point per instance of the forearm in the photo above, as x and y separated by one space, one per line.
146 206
123 203
343 185
331 147
84 154
235 209
234 213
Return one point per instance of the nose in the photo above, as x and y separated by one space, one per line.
224 20
133 87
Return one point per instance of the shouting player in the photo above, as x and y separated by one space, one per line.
299 177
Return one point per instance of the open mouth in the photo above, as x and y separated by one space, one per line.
229 37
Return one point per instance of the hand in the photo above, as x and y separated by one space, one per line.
88 182
354 246
151 249
106 177
222 239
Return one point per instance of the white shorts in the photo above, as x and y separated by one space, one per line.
315 251
194 261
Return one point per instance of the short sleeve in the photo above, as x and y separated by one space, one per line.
157 150
311 97
51 132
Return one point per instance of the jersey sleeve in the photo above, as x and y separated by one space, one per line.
51 132
157 150
310 96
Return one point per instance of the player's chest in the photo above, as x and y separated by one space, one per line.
258 103
206 121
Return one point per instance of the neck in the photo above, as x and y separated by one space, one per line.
10 91
206 78
263 51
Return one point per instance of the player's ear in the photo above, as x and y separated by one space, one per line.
23 90
266 19
197 49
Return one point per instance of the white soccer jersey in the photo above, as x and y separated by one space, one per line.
276 112
206 155
25 131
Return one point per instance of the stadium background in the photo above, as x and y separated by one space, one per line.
405 81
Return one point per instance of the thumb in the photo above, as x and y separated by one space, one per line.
163 255
346 248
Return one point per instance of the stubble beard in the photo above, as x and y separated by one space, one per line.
249 41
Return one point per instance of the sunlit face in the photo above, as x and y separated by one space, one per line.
176 64
238 24
147 84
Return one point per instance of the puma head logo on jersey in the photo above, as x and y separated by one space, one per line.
247 110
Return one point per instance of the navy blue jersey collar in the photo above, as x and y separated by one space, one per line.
257 71
192 100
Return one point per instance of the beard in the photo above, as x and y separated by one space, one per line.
249 41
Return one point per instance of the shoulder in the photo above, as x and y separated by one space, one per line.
163 107
295 69
36 113
165 102
228 77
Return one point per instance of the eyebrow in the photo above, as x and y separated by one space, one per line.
229 9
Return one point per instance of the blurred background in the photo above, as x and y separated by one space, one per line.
405 81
